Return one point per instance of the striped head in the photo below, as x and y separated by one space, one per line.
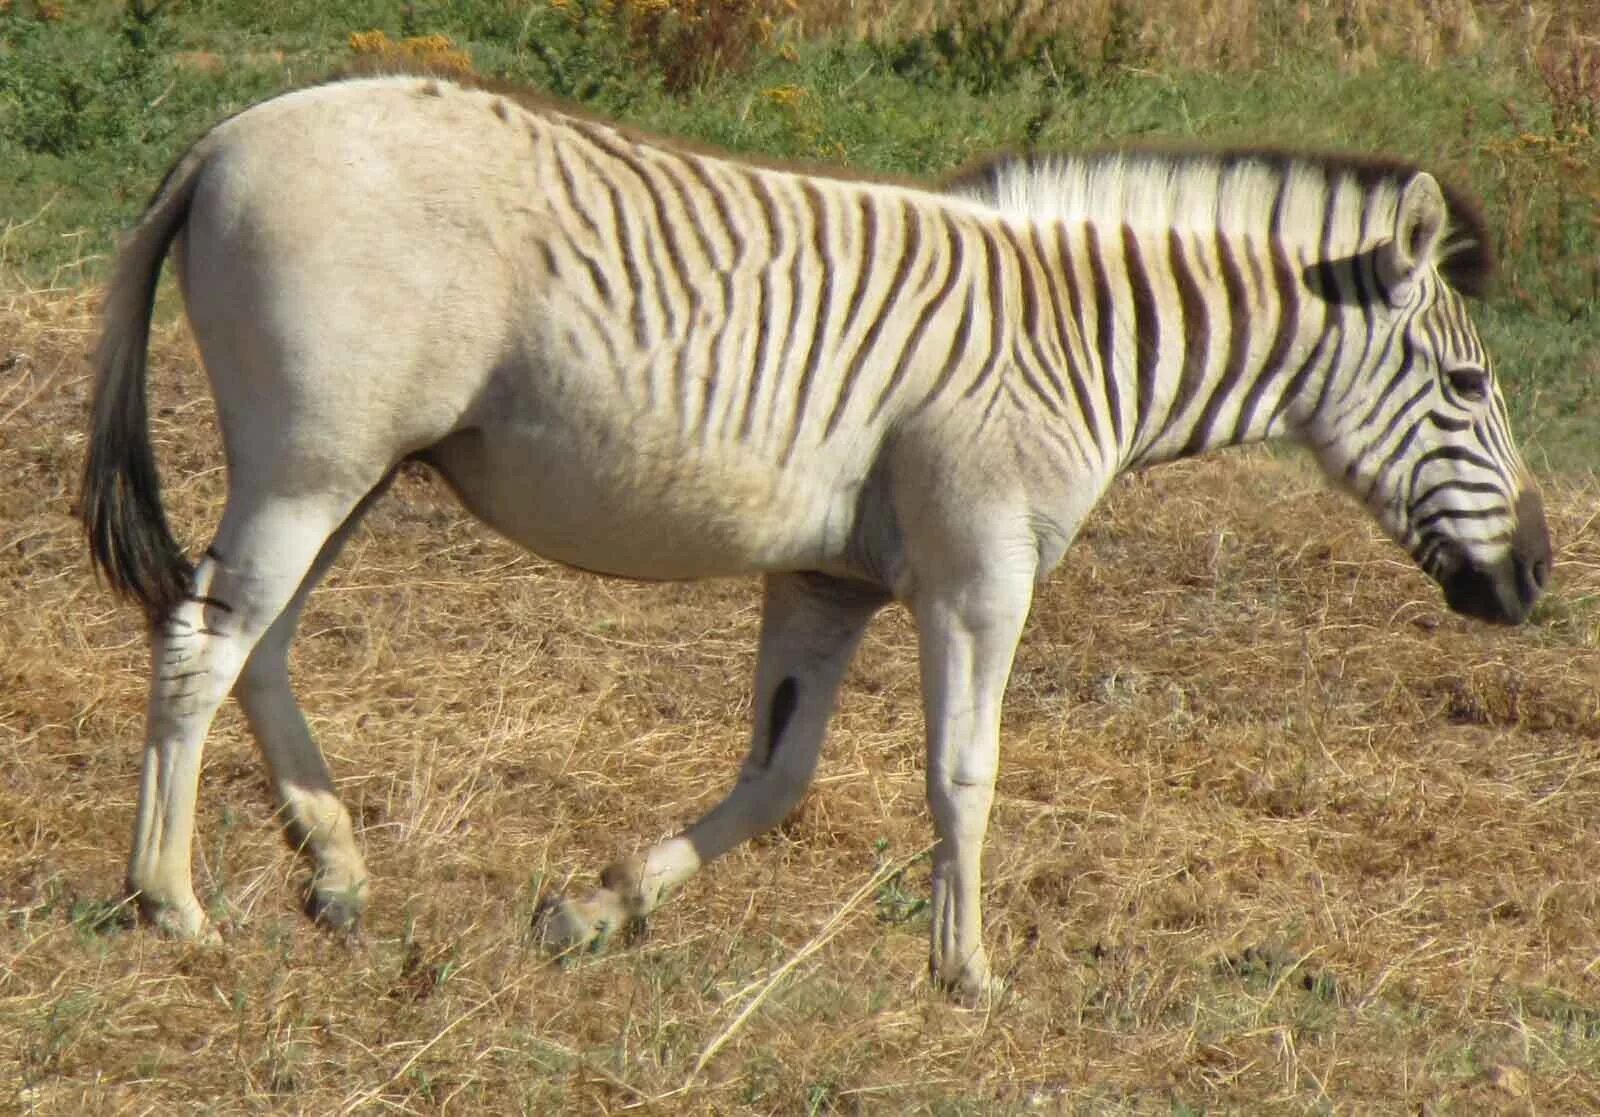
1261 293
1417 427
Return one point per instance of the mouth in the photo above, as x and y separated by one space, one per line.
1501 593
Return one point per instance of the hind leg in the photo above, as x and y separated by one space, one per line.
263 549
315 821
810 626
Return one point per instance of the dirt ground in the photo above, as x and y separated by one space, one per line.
1275 832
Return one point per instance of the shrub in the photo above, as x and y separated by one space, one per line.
430 52
57 99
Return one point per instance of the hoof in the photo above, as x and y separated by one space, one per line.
969 985
337 909
184 922
565 926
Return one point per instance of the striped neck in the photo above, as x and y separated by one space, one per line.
1220 297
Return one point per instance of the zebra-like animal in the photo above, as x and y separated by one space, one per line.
653 362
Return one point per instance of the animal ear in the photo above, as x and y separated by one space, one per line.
1419 223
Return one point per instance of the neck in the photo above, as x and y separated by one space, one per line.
1188 341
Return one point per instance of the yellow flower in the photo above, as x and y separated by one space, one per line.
786 95
370 42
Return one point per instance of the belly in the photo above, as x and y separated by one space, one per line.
643 504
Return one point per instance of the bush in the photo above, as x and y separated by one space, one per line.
57 99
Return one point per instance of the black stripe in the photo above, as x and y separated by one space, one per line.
1452 454
1288 303
996 308
1080 393
910 244
1027 371
1146 333
1403 371
1400 415
725 272
570 186
1458 485
1361 264
1033 325
1495 438
719 203
958 347
930 308
623 241
548 258
869 247
597 277
664 225
1105 330
1400 451
1196 330
1258 282
1001 387
1238 348
601 328
1424 523
1074 315
1303 374
774 229
1334 299
758 362
818 337
691 211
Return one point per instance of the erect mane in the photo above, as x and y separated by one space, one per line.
1228 188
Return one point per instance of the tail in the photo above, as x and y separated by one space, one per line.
120 503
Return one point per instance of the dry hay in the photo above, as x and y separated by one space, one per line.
1274 830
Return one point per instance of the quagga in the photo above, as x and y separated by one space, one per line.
643 360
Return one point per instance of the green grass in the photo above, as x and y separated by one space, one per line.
93 107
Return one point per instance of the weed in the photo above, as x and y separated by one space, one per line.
1571 1016
56 101
62 1024
896 904
434 53
99 918
1570 67
821 1097
981 49
692 42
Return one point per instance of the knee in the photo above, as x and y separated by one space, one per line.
265 674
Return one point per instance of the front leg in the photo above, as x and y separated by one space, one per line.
810 627
968 633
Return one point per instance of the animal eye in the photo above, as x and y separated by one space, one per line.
1470 385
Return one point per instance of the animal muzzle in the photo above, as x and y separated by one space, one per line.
1504 591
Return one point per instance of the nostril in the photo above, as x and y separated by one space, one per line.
1541 572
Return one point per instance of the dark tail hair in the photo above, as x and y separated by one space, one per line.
120 503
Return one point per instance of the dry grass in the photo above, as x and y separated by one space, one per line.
1274 831
690 41
1203 34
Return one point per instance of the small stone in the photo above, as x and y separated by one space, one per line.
1509 1080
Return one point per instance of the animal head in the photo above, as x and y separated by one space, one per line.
1421 434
